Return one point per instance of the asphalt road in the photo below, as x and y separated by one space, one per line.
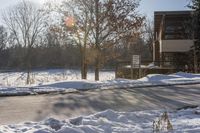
15 110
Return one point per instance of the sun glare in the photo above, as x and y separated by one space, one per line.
70 22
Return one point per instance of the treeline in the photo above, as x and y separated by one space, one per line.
42 57
55 55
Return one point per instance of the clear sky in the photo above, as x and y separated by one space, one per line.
147 7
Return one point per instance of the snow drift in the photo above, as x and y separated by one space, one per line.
65 86
111 121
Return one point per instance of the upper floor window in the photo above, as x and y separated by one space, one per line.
175 29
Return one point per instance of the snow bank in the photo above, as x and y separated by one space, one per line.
66 86
176 76
110 121
179 78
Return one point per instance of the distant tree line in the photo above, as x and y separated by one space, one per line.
52 54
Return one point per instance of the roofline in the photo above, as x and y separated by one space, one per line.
173 12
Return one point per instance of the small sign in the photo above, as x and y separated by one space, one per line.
136 61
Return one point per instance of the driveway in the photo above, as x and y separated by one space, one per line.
15 110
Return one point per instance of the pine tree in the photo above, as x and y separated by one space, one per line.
195 5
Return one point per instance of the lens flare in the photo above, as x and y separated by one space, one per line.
70 22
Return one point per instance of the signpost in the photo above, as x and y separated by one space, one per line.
136 63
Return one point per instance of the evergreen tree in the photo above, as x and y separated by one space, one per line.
195 5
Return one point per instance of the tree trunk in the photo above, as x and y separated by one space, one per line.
28 80
85 71
28 65
83 62
97 67
83 68
97 61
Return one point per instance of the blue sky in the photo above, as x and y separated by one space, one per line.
147 7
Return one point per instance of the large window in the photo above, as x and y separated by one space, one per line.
175 28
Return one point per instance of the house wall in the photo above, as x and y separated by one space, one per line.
176 45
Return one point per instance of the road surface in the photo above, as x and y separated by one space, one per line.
15 110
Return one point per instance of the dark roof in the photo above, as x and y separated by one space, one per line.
173 12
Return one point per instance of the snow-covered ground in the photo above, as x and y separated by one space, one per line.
13 83
69 81
109 121
18 79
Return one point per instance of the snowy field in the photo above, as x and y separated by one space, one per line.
18 79
13 83
109 121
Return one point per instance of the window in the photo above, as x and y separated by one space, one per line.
175 28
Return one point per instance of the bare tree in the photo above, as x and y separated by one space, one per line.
149 35
113 20
100 25
25 21
78 25
3 38
3 46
